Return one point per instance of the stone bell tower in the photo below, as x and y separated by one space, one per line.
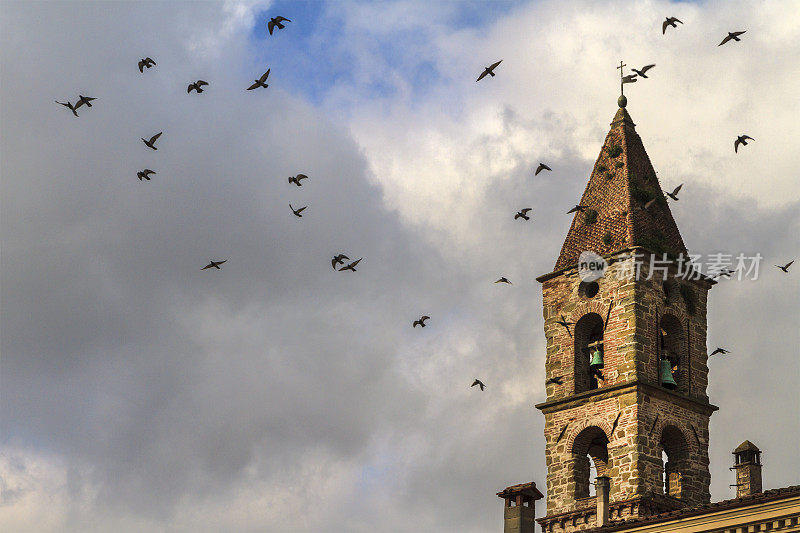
626 371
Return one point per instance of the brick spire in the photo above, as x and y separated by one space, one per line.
622 182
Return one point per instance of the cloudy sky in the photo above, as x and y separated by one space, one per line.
139 393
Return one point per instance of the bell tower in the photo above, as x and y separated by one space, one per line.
625 367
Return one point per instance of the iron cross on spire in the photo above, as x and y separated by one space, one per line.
621 78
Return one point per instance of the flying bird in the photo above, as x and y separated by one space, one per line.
145 174
630 78
478 383
580 208
726 273
276 21
732 35
674 193
297 211
421 321
338 260
556 380
152 141
69 106
563 322
503 280
523 213
723 351
296 179
669 22
541 167
260 82
785 267
351 266
145 63
741 139
213 264
197 86
489 70
84 100
641 73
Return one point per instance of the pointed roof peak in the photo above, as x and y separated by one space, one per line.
622 118
625 204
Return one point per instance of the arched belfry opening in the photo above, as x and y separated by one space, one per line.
674 446
589 352
672 349
589 459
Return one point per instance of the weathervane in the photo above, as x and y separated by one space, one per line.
630 78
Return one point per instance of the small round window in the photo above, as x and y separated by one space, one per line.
588 289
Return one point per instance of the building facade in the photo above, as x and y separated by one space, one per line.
627 411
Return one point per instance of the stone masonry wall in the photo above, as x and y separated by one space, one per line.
641 417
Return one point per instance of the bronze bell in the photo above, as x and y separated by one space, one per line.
597 359
666 375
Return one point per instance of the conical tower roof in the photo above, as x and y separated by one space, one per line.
622 183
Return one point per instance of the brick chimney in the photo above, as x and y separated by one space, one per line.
519 512
602 488
747 463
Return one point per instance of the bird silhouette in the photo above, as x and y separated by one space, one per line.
724 273
338 260
579 208
145 63
421 321
541 167
630 78
741 139
145 174
785 267
276 22
503 280
260 82
213 264
478 383
723 351
351 266
669 22
152 141
84 100
523 213
296 179
489 70
556 380
563 322
297 211
197 86
674 193
69 106
641 73
732 35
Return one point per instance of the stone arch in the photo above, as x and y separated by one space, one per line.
588 444
586 307
674 444
587 337
583 424
674 310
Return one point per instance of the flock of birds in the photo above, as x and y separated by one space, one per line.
339 259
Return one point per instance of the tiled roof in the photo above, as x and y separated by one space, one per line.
621 183
753 499
528 489
746 446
